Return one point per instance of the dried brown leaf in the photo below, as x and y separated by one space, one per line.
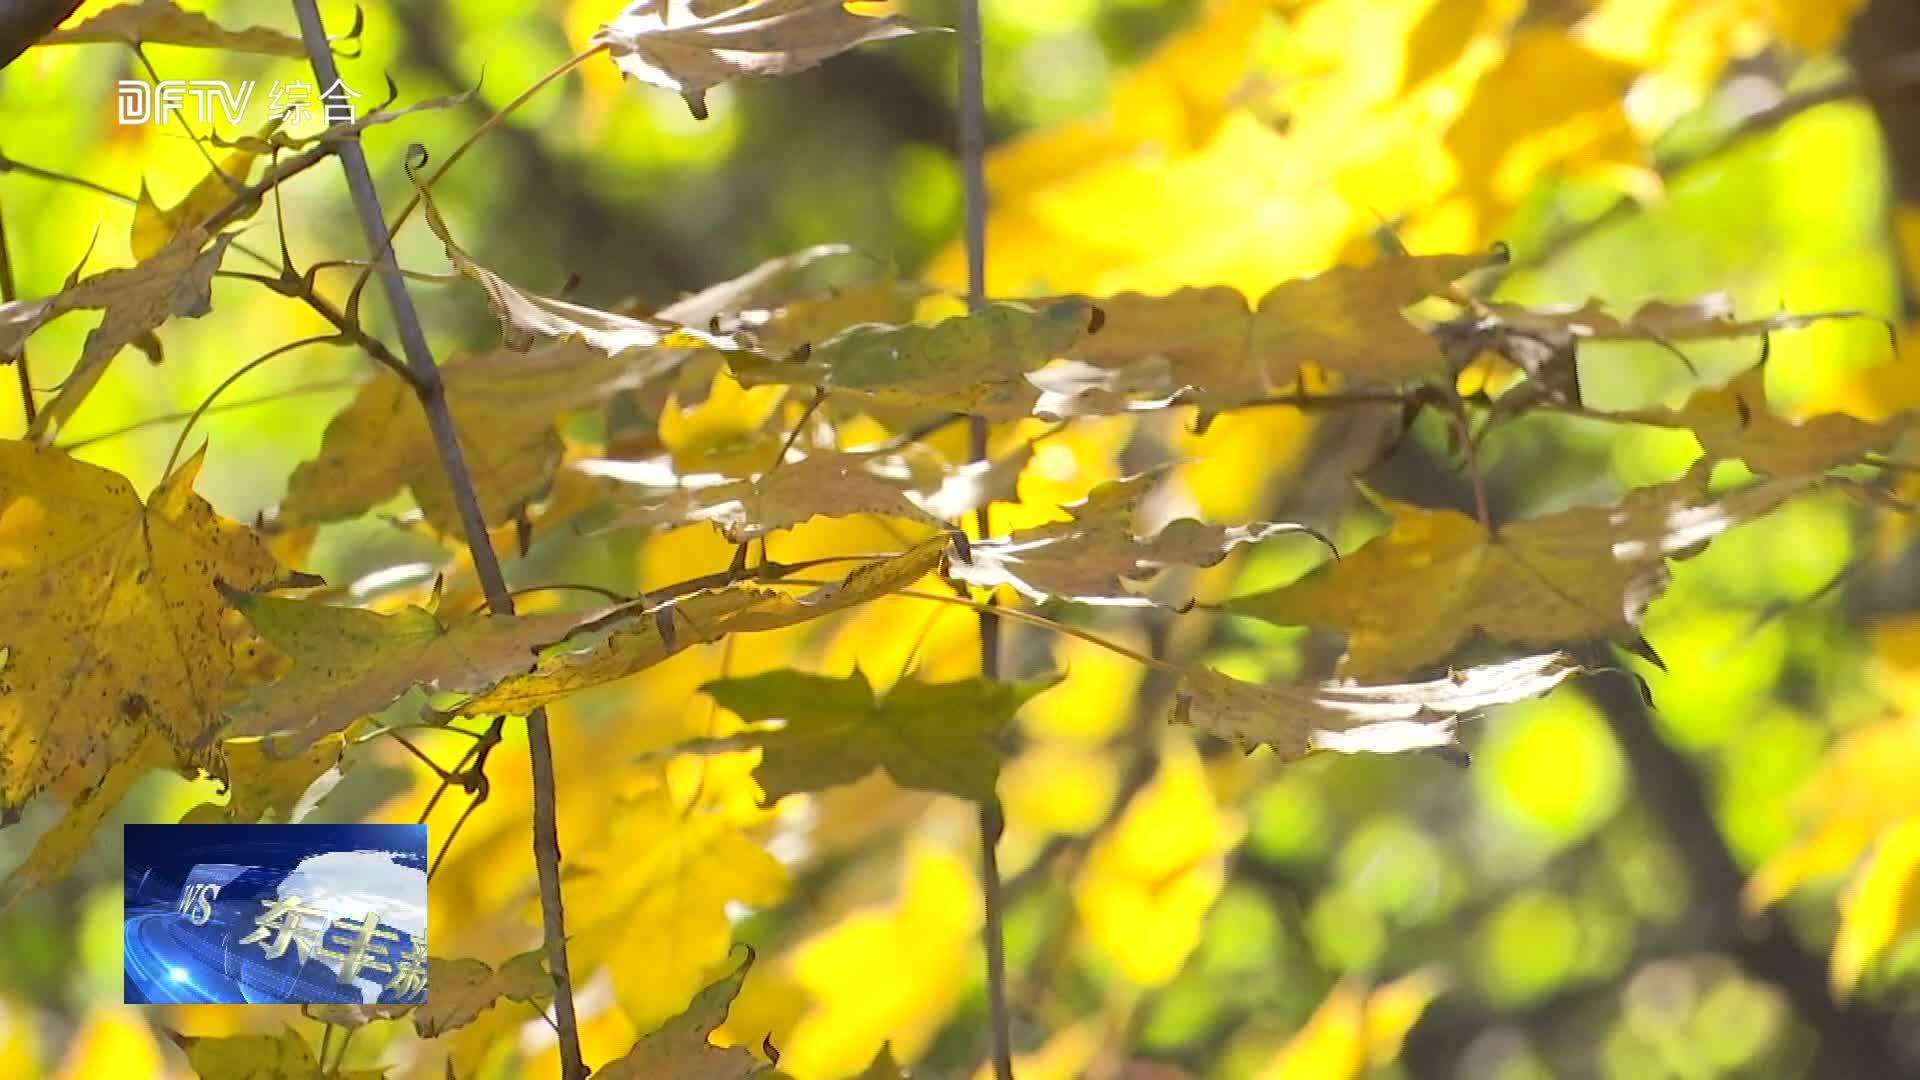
1350 718
690 46
1096 557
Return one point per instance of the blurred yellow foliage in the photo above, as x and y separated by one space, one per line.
1143 895
1355 1030
887 975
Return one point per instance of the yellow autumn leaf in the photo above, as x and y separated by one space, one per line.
177 280
698 619
526 318
887 975
652 903
115 1041
1147 884
1880 907
1096 557
1735 422
1410 596
163 22
111 622
154 227
459 990
1354 1030
1862 788
349 662
504 405
260 784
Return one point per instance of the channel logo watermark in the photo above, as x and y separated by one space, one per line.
204 100
276 914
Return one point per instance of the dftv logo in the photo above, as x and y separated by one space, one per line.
196 902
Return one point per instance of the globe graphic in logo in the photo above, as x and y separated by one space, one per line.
347 885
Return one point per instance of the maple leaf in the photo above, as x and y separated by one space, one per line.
681 1046
154 227
883 1066
354 1016
922 947
690 46
1543 341
680 872
260 784
350 662
177 280
460 990
697 619
1733 422
526 318
110 620
1350 718
1208 343
1148 881
504 406
929 736
1095 558
814 317
162 22
820 484
1408 597
285 1056
975 363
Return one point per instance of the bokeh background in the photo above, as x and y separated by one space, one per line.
1724 885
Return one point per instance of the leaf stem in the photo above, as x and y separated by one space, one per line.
432 394
487 125
321 387
180 440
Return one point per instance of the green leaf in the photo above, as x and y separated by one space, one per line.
974 363
930 736
351 662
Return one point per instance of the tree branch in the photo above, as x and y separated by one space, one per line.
432 395
973 152
1888 79
1853 1041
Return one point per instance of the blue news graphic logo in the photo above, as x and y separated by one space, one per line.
276 914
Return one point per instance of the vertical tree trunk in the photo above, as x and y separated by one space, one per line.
1886 30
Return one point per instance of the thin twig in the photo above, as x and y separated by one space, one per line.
180 440
1900 73
8 295
321 387
973 152
381 255
8 165
432 394
287 283
1029 618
